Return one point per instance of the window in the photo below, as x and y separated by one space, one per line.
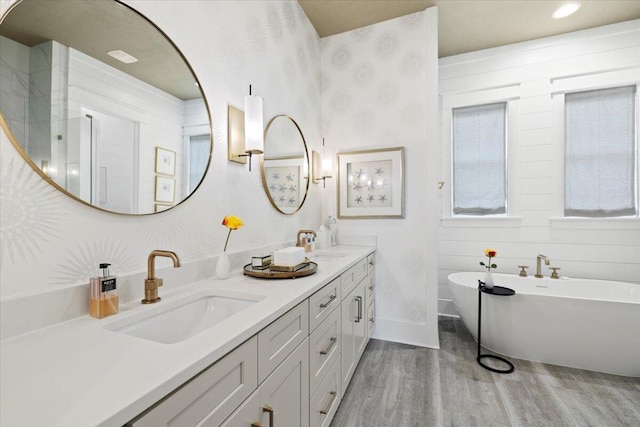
198 148
479 160
600 147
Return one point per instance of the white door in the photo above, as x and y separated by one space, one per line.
114 160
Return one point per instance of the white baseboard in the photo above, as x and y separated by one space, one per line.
446 307
418 334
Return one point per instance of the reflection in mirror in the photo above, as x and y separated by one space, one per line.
91 93
285 165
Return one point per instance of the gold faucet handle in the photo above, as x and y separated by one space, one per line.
554 274
523 271
154 283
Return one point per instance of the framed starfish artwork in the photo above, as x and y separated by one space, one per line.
370 183
284 181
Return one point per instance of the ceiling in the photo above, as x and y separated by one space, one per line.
464 26
98 26
469 25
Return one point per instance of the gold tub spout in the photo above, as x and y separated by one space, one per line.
152 283
538 266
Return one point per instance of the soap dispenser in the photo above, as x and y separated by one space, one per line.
103 294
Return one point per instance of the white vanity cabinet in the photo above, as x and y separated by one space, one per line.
277 340
355 330
210 396
326 400
292 373
282 400
371 305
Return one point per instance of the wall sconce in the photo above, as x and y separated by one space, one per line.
246 135
322 165
253 126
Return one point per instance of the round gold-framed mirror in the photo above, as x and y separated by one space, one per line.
285 165
102 104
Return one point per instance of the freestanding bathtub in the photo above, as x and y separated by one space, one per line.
580 323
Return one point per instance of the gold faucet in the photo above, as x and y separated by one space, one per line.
152 283
298 243
538 266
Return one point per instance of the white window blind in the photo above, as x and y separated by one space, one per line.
600 166
479 159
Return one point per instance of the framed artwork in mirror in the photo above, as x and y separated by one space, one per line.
159 207
371 183
284 180
165 189
165 161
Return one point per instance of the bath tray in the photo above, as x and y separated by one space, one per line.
269 274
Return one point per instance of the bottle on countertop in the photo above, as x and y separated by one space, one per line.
103 294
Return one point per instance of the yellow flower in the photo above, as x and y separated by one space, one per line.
233 222
490 252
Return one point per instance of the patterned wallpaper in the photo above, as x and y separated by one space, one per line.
375 95
49 241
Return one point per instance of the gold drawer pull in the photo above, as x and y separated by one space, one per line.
371 288
332 343
326 409
331 299
269 410
256 424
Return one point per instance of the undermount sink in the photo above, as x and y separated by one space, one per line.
327 255
182 319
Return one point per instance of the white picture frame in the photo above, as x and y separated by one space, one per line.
371 183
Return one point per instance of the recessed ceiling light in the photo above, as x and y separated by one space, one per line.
566 10
122 56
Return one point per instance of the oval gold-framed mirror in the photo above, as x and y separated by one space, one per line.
285 165
103 105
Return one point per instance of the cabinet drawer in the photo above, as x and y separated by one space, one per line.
371 262
323 302
325 402
371 318
324 348
208 398
350 278
277 341
284 395
369 291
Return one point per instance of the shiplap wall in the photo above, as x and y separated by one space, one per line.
533 77
158 115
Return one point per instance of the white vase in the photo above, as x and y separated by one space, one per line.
223 267
488 280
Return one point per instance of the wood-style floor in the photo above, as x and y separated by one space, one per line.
401 385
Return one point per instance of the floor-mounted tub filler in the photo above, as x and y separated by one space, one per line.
580 323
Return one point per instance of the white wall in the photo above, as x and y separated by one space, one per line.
379 90
533 76
49 241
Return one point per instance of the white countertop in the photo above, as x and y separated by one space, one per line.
79 373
